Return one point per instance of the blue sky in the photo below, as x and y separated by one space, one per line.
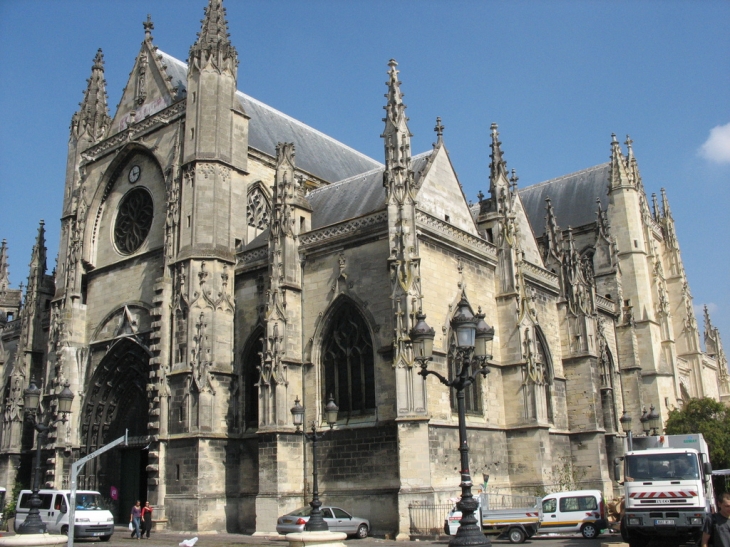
558 77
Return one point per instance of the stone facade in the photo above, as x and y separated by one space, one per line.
219 260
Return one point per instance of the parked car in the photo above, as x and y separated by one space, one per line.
337 519
581 511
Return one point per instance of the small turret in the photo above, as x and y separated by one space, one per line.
213 46
216 125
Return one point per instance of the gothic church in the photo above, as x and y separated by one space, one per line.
220 260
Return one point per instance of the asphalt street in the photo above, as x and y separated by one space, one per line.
172 539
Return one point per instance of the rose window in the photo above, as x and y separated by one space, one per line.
134 220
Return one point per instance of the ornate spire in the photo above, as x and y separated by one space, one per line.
618 175
656 213
666 211
499 165
214 45
396 135
4 270
632 165
38 258
93 119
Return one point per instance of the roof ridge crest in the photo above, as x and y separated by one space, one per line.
556 179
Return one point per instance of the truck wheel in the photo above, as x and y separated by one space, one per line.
589 530
516 535
105 538
362 532
64 530
638 542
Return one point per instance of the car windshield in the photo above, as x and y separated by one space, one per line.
646 467
303 512
89 502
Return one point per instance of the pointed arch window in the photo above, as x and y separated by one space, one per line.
348 362
251 374
259 209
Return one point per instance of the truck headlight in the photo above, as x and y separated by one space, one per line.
82 520
635 522
110 519
695 520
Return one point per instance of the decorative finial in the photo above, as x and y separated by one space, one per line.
513 179
439 130
148 27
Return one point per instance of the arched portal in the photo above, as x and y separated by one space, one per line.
116 400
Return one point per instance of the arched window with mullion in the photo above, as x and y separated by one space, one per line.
348 362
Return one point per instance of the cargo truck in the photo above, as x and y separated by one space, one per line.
667 489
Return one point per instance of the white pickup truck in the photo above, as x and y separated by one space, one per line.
512 517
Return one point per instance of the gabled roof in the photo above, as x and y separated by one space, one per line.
317 153
573 197
353 197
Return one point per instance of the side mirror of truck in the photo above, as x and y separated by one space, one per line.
707 468
63 509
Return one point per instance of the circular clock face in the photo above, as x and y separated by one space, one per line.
134 173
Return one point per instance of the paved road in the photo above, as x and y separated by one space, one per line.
172 539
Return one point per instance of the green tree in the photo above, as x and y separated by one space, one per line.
710 418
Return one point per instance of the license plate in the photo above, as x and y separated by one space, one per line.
664 522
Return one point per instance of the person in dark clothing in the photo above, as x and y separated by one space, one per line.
147 519
717 526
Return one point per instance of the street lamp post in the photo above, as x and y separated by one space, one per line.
316 522
31 397
470 352
625 421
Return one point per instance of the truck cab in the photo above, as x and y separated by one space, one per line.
667 489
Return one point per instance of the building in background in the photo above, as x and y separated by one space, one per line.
219 259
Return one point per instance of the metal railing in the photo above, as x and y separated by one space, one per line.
427 519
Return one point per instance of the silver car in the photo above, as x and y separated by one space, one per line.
337 519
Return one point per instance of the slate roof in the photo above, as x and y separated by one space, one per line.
317 153
573 197
353 197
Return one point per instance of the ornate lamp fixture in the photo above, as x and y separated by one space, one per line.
316 522
31 397
471 353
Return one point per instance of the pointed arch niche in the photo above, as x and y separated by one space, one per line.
538 374
347 361
250 375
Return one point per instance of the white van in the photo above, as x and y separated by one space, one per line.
579 511
92 519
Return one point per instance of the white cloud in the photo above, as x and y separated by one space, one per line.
699 310
717 145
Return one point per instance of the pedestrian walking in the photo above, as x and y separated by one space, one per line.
135 518
147 519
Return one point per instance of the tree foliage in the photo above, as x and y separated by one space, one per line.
710 418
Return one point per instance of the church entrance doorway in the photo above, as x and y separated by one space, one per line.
115 402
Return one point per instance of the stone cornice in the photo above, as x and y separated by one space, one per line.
135 131
447 232
343 229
